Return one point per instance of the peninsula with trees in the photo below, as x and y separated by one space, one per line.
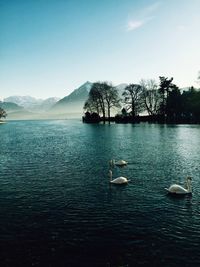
146 101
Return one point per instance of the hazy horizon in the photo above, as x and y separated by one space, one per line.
50 49
50 96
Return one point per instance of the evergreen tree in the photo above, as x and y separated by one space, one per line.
164 88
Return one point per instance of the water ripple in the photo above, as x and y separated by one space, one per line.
58 208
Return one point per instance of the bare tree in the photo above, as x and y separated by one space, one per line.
102 97
95 101
150 96
111 98
91 106
133 98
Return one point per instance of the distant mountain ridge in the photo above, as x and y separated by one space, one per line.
70 106
32 104
24 101
10 107
74 102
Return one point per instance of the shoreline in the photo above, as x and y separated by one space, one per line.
139 119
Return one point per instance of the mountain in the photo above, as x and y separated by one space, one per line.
32 104
16 112
120 88
27 102
78 94
10 107
71 106
46 104
73 103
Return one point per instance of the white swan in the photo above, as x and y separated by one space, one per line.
178 189
119 163
118 180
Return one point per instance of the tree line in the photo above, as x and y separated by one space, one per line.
3 113
163 102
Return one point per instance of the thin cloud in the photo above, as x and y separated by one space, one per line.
143 16
134 24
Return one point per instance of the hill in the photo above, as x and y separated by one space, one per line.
71 106
73 103
10 107
33 104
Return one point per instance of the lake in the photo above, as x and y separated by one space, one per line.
57 207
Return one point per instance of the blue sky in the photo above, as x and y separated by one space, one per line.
50 47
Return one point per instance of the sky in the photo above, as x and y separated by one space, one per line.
51 47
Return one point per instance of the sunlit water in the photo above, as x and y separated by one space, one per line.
57 207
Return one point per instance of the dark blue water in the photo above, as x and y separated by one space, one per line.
57 207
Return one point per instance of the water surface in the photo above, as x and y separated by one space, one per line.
57 207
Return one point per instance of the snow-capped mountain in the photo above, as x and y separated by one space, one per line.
69 106
24 101
32 104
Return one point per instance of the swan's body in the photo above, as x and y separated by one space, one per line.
119 163
118 180
178 189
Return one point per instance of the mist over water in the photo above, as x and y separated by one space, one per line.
57 207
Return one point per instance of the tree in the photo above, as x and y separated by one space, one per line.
124 112
102 98
174 104
150 96
91 117
3 113
91 106
111 97
132 98
95 101
165 85
191 105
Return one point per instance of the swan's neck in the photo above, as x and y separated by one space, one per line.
189 187
112 163
110 175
